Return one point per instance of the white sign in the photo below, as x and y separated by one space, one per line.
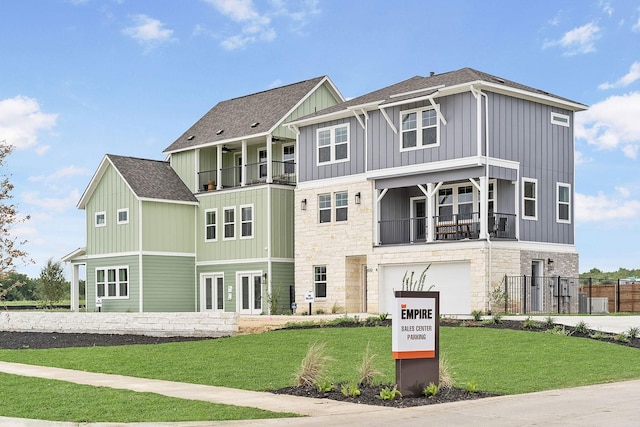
309 297
98 302
414 328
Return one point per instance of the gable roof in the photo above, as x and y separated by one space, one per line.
445 83
147 179
248 116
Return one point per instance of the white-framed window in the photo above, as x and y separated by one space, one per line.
246 221
333 144
342 203
419 129
123 216
211 225
229 218
324 207
320 281
262 160
560 119
101 219
445 204
563 209
112 282
529 198
289 158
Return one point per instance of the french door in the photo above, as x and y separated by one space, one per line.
212 292
249 293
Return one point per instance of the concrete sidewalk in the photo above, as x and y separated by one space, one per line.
612 404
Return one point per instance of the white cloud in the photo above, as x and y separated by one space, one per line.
51 204
62 173
147 31
258 26
600 208
626 80
577 41
21 120
636 26
623 191
606 7
612 123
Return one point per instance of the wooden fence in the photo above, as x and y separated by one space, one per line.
622 297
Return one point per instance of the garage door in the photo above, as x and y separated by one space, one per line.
452 280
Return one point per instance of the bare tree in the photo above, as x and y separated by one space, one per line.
11 253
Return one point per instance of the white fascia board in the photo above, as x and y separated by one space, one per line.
452 164
222 142
173 202
80 253
340 114
329 182
532 96
410 100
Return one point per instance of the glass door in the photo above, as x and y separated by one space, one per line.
212 292
250 293
418 220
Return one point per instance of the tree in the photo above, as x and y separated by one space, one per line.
53 288
26 289
11 253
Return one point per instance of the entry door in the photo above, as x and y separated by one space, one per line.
418 221
212 292
536 286
238 159
250 293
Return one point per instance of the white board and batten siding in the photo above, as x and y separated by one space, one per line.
452 280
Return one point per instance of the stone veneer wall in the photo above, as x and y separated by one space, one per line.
152 324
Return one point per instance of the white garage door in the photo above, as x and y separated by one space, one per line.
452 280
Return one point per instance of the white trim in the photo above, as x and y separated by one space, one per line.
95 219
560 119
332 144
251 274
242 261
106 282
340 180
136 253
535 199
558 203
224 222
418 129
202 291
252 221
214 225
175 202
397 95
118 221
444 165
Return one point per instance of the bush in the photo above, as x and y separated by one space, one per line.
313 366
431 390
367 371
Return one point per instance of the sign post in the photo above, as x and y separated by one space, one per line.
416 340
309 297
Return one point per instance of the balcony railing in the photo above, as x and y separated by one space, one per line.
282 173
446 228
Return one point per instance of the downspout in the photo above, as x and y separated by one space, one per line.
140 272
486 153
269 266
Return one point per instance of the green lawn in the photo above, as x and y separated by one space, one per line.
502 361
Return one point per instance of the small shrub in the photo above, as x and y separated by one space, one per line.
325 386
372 321
598 335
581 327
367 371
476 315
444 369
319 311
633 332
313 365
620 338
431 390
350 390
529 323
496 319
548 321
472 387
335 309
559 330
383 316
390 393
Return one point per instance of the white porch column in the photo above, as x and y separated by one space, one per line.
243 167
219 168
484 207
269 159
74 291
430 211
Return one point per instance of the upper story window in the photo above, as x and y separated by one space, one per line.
211 225
123 216
101 219
560 119
229 223
246 221
324 206
529 198
419 129
333 144
563 209
289 158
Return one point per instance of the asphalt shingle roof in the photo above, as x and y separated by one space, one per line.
235 116
152 179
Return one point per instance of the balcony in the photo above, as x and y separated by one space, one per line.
446 228
283 173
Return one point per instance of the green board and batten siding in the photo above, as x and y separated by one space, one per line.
184 164
282 223
168 227
112 194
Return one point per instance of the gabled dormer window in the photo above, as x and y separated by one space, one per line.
419 129
333 144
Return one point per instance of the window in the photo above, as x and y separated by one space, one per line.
211 225
419 129
465 202
560 119
246 221
324 205
333 144
101 219
229 223
529 198
563 211
342 199
262 160
320 281
289 158
112 282
123 216
445 204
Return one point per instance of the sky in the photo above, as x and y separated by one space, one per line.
83 78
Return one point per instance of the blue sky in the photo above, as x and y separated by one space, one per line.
81 78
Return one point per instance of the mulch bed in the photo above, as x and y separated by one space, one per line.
42 340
